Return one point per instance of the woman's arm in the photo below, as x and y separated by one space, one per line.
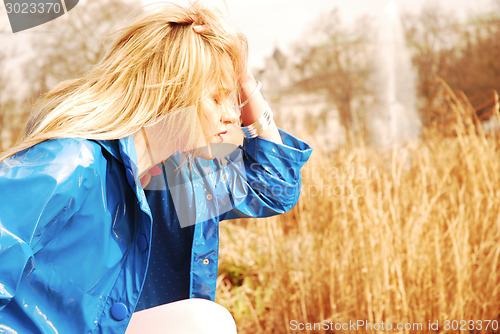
261 178
251 112
271 182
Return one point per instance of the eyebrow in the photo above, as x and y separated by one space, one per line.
221 92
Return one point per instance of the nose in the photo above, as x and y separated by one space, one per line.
229 116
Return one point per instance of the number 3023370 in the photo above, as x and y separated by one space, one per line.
33 8
461 325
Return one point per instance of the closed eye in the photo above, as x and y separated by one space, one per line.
221 94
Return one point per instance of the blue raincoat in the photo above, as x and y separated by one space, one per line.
83 245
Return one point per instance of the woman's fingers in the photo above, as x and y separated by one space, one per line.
200 29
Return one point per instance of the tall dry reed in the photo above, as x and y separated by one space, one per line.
407 236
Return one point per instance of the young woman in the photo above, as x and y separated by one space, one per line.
110 205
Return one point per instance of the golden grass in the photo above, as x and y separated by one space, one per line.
401 237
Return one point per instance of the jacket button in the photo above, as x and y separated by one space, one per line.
142 243
119 311
209 197
206 261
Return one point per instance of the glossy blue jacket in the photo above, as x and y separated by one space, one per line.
83 245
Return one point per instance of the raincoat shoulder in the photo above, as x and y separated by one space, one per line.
40 188
53 220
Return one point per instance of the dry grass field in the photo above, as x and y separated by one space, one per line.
395 237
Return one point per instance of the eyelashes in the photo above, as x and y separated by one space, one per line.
223 95
223 100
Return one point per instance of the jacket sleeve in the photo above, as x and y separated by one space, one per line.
258 179
37 198
272 179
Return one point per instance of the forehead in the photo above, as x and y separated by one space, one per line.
223 79
221 86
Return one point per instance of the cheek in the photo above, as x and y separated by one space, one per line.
210 119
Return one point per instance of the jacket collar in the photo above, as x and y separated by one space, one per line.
123 150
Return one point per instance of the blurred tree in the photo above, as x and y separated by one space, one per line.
464 53
429 32
73 43
59 50
7 103
337 66
474 66
3 131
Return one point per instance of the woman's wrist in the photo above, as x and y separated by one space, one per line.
252 109
256 112
259 127
247 82
254 92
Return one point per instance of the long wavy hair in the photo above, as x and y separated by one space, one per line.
155 67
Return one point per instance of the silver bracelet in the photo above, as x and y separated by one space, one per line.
259 85
260 125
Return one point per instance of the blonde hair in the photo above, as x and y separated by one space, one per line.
155 67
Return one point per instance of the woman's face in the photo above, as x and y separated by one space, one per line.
218 111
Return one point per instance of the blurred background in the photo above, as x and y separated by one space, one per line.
326 66
399 217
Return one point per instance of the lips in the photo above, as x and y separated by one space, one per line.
219 136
